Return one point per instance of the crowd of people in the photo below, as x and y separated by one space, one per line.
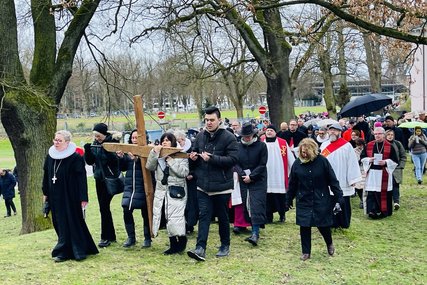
236 173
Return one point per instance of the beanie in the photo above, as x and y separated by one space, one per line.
271 127
101 128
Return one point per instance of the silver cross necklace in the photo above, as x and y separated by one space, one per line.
55 170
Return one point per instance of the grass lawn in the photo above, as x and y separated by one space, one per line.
389 251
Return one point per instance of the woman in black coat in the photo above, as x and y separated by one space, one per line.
310 180
133 194
104 164
252 171
7 190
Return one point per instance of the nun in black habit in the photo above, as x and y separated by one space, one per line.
65 189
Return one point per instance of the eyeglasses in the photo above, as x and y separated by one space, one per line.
57 141
377 134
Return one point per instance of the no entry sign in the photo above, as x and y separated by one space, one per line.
161 115
262 110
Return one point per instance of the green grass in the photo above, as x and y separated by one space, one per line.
389 251
176 119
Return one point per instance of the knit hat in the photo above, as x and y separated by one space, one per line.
378 124
271 127
101 128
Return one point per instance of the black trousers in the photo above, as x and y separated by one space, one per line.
128 219
276 202
9 204
305 233
209 205
104 199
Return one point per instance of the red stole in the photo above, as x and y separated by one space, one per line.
384 178
284 152
333 146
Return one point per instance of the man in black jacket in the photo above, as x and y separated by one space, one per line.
214 154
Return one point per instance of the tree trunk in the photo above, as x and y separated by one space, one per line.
343 96
30 139
373 60
279 95
325 67
29 109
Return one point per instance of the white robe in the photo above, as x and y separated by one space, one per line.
374 176
275 167
345 165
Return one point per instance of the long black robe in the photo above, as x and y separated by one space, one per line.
65 197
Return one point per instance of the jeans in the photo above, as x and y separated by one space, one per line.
396 191
128 219
207 206
419 162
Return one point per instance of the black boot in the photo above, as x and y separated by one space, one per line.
131 240
182 243
173 246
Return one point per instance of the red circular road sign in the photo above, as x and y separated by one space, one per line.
262 110
161 115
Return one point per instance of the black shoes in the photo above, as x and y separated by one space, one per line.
147 243
420 181
198 254
59 259
129 242
253 239
223 251
105 242
331 249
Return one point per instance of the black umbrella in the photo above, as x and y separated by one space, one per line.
365 104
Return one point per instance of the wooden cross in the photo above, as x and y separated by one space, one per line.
142 150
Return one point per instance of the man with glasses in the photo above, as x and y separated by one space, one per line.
293 136
214 154
379 160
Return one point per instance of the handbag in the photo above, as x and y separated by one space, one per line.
177 192
114 185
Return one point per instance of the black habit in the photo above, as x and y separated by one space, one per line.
65 195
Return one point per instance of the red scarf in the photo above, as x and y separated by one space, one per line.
384 180
333 146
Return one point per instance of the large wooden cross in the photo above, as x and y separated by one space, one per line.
142 150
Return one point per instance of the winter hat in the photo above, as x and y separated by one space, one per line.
378 124
271 127
101 128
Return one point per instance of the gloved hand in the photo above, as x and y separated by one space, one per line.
46 209
87 147
336 209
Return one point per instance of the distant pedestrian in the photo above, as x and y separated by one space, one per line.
7 187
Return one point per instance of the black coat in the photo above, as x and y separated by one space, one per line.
297 136
134 192
309 183
254 157
65 197
216 174
7 185
96 155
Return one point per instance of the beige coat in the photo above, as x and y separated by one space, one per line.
174 208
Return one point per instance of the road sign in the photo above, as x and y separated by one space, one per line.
262 110
161 115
